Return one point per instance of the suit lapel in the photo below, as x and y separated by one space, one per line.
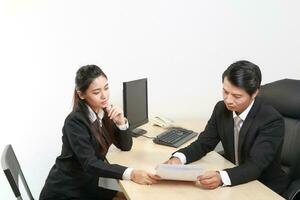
229 134
247 124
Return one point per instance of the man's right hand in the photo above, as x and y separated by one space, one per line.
173 161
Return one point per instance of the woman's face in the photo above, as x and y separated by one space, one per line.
97 94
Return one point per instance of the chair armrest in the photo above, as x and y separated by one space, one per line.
293 190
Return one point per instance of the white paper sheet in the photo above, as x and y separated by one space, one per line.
179 172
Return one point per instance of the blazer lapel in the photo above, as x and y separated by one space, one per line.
247 124
229 135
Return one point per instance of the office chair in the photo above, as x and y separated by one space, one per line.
284 96
13 172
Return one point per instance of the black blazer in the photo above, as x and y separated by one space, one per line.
80 160
260 144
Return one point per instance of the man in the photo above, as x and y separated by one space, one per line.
250 131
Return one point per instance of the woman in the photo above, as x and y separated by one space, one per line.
88 132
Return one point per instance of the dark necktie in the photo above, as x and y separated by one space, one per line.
101 135
237 127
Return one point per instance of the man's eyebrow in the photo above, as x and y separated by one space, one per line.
235 94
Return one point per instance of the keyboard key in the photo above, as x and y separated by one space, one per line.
174 137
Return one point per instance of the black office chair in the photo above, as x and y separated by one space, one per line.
13 172
284 96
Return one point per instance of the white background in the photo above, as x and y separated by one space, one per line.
182 47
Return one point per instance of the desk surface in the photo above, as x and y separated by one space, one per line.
146 155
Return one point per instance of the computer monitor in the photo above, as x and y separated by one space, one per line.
135 101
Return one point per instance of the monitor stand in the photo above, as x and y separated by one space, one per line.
137 132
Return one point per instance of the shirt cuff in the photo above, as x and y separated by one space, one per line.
127 174
123 127
225 178
181 157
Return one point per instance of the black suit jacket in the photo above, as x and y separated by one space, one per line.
80 160
260 144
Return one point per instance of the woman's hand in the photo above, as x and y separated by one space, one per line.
116 114
144 178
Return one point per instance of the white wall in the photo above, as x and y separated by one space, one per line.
181 46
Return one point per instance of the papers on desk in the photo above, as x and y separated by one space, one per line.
179 172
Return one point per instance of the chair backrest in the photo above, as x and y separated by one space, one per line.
13 172
284 96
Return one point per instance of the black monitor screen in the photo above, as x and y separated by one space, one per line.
135 100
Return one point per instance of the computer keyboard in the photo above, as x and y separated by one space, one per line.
174 137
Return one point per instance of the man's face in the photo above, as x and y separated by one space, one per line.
236 99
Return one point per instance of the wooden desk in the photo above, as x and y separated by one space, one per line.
146 155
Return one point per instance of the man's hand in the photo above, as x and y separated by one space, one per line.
210 179
173 161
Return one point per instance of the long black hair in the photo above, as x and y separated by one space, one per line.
85 75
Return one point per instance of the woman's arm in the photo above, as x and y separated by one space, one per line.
123 140
77 133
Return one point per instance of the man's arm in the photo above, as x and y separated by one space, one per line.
262 153
206 141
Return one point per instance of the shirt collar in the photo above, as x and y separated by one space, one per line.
245 113
93 116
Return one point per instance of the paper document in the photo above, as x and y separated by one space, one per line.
179 172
